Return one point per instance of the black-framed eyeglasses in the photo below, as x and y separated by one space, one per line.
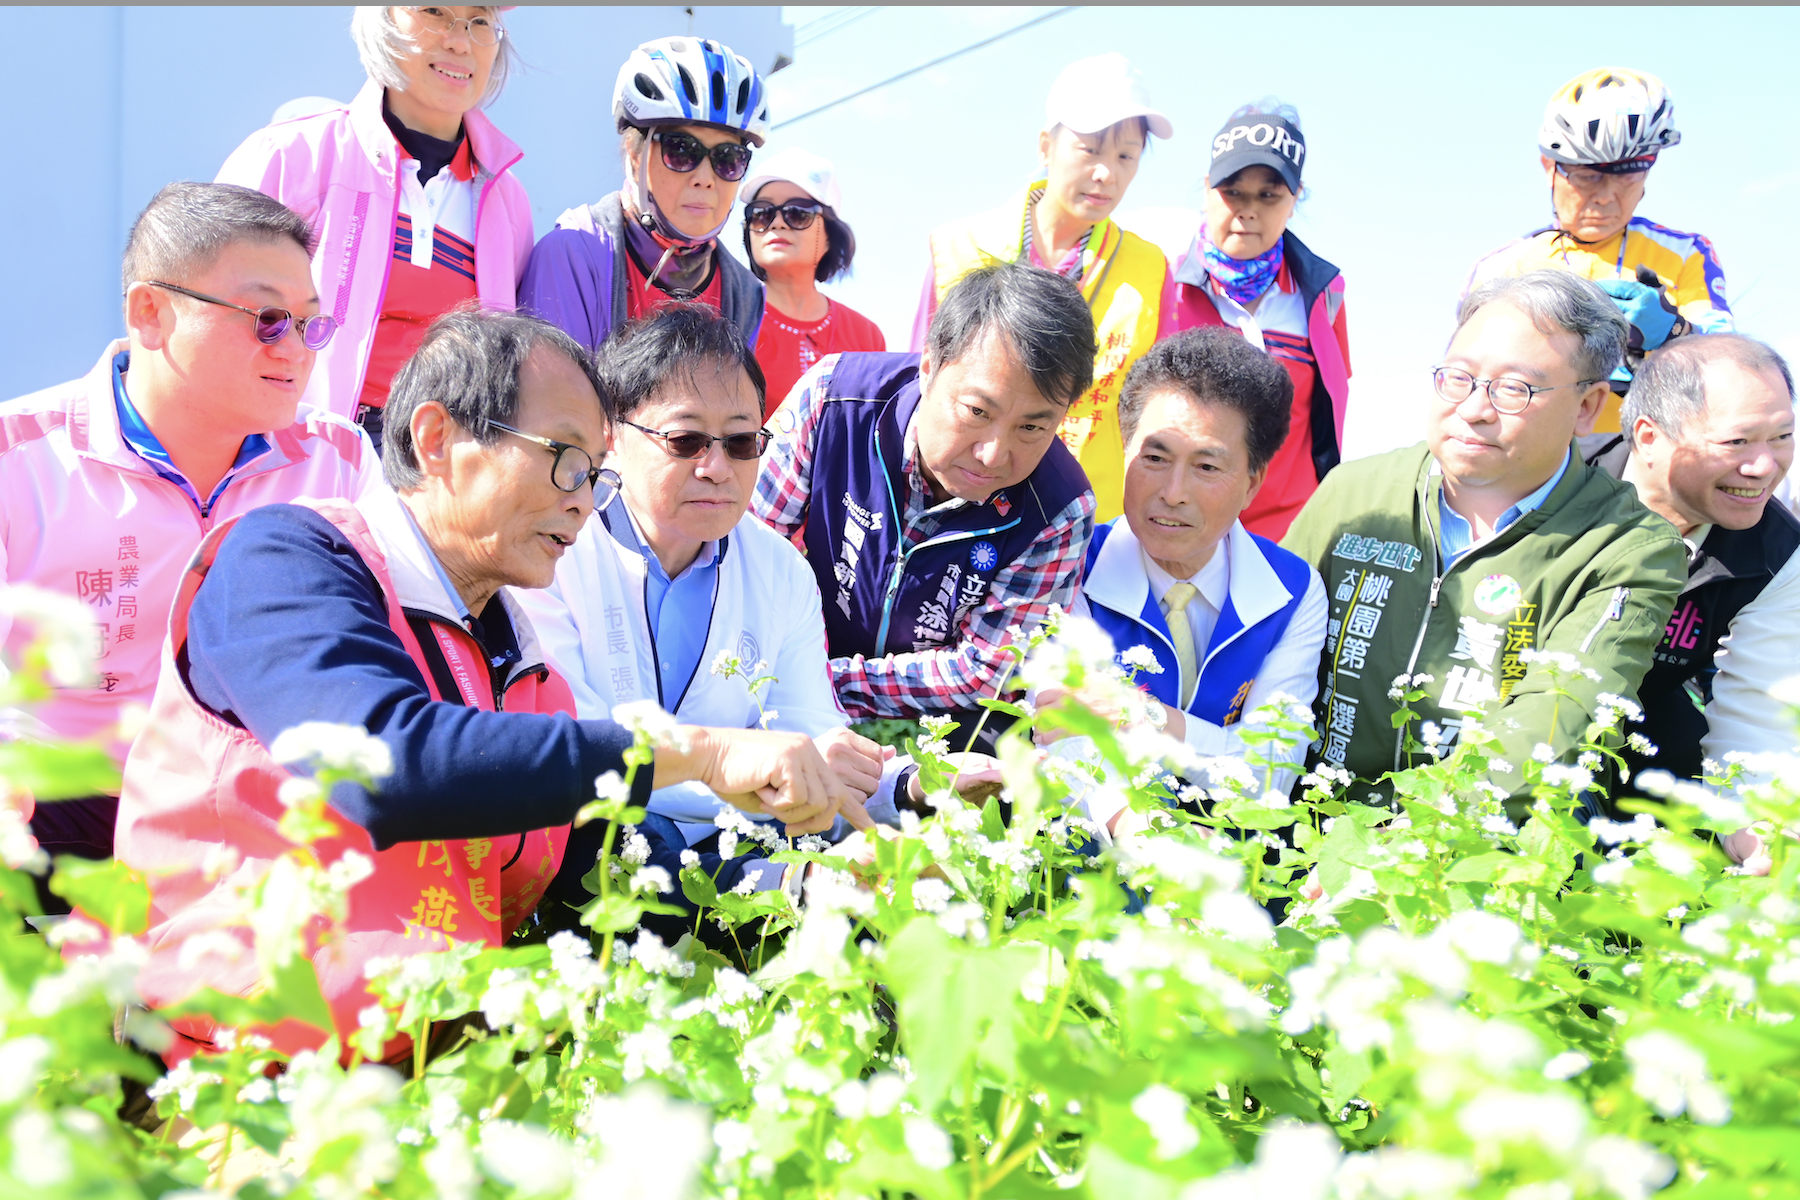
272 324
795 214
572 467
1507 395
686 443
483 31
683 152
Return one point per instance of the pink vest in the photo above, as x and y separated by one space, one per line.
339 169
198 789
82 514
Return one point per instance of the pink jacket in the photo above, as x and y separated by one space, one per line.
337 169
82 514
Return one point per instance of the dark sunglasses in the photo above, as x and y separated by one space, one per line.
795 214
683 152
272 324
745 447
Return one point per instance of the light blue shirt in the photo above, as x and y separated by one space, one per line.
462 610
147 446
1456 537
680 612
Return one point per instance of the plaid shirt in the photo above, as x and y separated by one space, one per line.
906 685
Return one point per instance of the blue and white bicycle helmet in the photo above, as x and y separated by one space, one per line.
692 81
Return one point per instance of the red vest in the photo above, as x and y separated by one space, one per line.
199 792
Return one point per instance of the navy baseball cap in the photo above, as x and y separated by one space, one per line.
1258 140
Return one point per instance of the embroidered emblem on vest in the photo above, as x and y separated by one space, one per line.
983 556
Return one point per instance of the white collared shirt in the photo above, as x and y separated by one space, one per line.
1212 581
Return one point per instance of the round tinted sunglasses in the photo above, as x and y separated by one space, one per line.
683 443
683 152
795 214
272 324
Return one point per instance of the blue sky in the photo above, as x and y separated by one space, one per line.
1421 129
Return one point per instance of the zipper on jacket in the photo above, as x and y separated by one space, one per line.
1614 611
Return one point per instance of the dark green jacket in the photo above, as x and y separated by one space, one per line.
1591 573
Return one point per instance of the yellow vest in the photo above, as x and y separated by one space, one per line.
1122 278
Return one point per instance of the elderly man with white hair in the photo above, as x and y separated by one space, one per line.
395 615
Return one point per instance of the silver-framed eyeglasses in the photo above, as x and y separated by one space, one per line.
483 31
572 466
1507 395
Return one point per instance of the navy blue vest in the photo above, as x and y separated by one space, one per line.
1234 655
877 600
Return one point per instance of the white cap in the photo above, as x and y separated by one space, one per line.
1097 93
803 169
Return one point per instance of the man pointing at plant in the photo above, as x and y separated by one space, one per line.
1491 567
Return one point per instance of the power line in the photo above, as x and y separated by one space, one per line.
831 23
1038 20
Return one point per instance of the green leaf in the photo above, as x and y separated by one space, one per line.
698 886
61 771
295 989
616 914
956 1001
1111 1174
106 890
1348 845
1019 759
1349 1071
1500 866
290 994
1004 707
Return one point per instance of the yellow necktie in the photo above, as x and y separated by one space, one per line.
1174 604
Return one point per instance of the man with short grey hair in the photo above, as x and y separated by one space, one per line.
1453 561
1709 436
108 483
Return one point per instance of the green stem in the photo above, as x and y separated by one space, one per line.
606 851
985 713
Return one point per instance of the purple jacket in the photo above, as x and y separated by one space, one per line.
577 276
338 170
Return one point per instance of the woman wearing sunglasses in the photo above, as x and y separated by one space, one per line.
689 114
410 190
795 241
1098 124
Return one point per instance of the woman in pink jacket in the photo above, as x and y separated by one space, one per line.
409 189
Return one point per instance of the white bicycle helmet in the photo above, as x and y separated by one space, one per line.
1608 115
692 81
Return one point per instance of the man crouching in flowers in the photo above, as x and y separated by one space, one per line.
394 616
675 596
1222 621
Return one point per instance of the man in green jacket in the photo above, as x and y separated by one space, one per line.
1452 559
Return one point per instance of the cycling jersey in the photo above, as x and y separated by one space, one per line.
1686 262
